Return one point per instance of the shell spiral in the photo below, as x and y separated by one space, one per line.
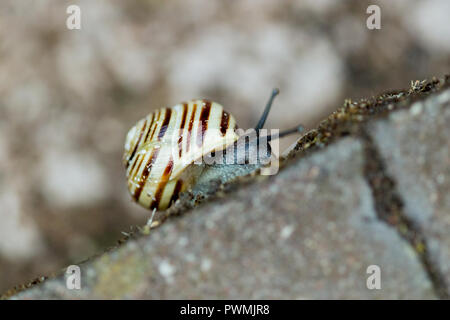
160 150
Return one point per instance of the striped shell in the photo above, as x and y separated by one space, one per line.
160 149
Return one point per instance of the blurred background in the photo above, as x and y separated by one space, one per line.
68 97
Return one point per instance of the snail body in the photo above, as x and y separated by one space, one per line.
170 151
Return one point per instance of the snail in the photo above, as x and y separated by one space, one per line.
188 146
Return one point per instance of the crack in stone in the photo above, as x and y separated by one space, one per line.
389 209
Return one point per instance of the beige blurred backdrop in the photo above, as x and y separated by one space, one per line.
68 97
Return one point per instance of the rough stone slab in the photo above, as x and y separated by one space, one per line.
415 145
309 232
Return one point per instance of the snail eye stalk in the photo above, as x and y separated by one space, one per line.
263 118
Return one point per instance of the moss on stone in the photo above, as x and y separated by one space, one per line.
349 118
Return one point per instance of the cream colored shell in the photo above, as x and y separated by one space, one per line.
160 150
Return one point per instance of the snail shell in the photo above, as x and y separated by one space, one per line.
160 150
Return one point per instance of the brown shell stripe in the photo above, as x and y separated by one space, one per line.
191 123
165 124
183 123
145 173
149 128
176 191
203 123
155 125
224 122
147 170
162 184
150 124
133 176
134 164
145 130
134 169
137 143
